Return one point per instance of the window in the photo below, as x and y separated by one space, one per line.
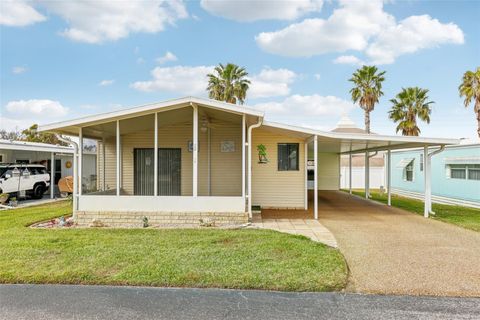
409 172
458 171
287 156
421 161
465 171
22 161
474 172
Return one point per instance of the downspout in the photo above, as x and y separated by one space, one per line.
428 168
249 193
75 174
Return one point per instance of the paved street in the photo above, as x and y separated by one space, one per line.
104 302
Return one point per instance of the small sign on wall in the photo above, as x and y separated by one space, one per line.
227 146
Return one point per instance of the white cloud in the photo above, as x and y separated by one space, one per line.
308 105
105 83
167 57
193 81
361 26
19 70
11 124
348 60
271 83
180 79
261 10
18 13
410 35
317 76
36 108
348 28
98 21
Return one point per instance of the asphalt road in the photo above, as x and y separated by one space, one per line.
105 302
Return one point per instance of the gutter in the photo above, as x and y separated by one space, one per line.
75 174
249 144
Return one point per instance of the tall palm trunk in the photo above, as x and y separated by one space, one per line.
477 109
367 121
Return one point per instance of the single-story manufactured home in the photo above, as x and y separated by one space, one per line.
181 160
57 159
455 174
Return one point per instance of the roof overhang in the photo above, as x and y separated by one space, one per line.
70 127
346 143
32 146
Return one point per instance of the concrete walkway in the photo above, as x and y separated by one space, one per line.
391 251
306 227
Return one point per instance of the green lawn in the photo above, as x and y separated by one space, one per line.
251 259
462 216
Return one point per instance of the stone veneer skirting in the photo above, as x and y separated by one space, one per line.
125 219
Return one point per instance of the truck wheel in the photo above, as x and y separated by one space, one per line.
38 191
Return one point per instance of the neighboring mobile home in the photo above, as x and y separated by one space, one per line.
213 160
455 174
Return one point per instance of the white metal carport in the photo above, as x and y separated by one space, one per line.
348 143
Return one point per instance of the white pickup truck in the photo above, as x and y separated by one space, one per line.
22 180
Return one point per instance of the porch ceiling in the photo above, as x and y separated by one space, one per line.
103 121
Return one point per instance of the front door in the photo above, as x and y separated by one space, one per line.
169 172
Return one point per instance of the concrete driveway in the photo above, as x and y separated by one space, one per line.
391 251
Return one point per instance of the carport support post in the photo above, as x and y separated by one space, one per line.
244 123
118 158
367 175
350 173
52 175
80 160
389 177
427 182
155 157
306 176
195 150
104 184
315 179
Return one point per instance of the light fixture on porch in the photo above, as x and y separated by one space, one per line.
204 125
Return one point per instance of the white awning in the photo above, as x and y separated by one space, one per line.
404 162
462 160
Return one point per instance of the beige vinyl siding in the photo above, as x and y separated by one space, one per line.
272 188
110 164
226 175
328 171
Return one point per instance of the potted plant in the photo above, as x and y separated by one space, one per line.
3 198
262 153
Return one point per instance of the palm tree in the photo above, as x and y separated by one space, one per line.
470 89
409 104
367 90
228 83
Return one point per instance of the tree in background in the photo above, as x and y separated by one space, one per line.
367 90
470 90
32 135
228 83
410 104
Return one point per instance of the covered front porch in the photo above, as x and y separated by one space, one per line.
198 170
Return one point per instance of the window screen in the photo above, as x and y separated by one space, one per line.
287 156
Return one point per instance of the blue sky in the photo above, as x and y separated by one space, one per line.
61 60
